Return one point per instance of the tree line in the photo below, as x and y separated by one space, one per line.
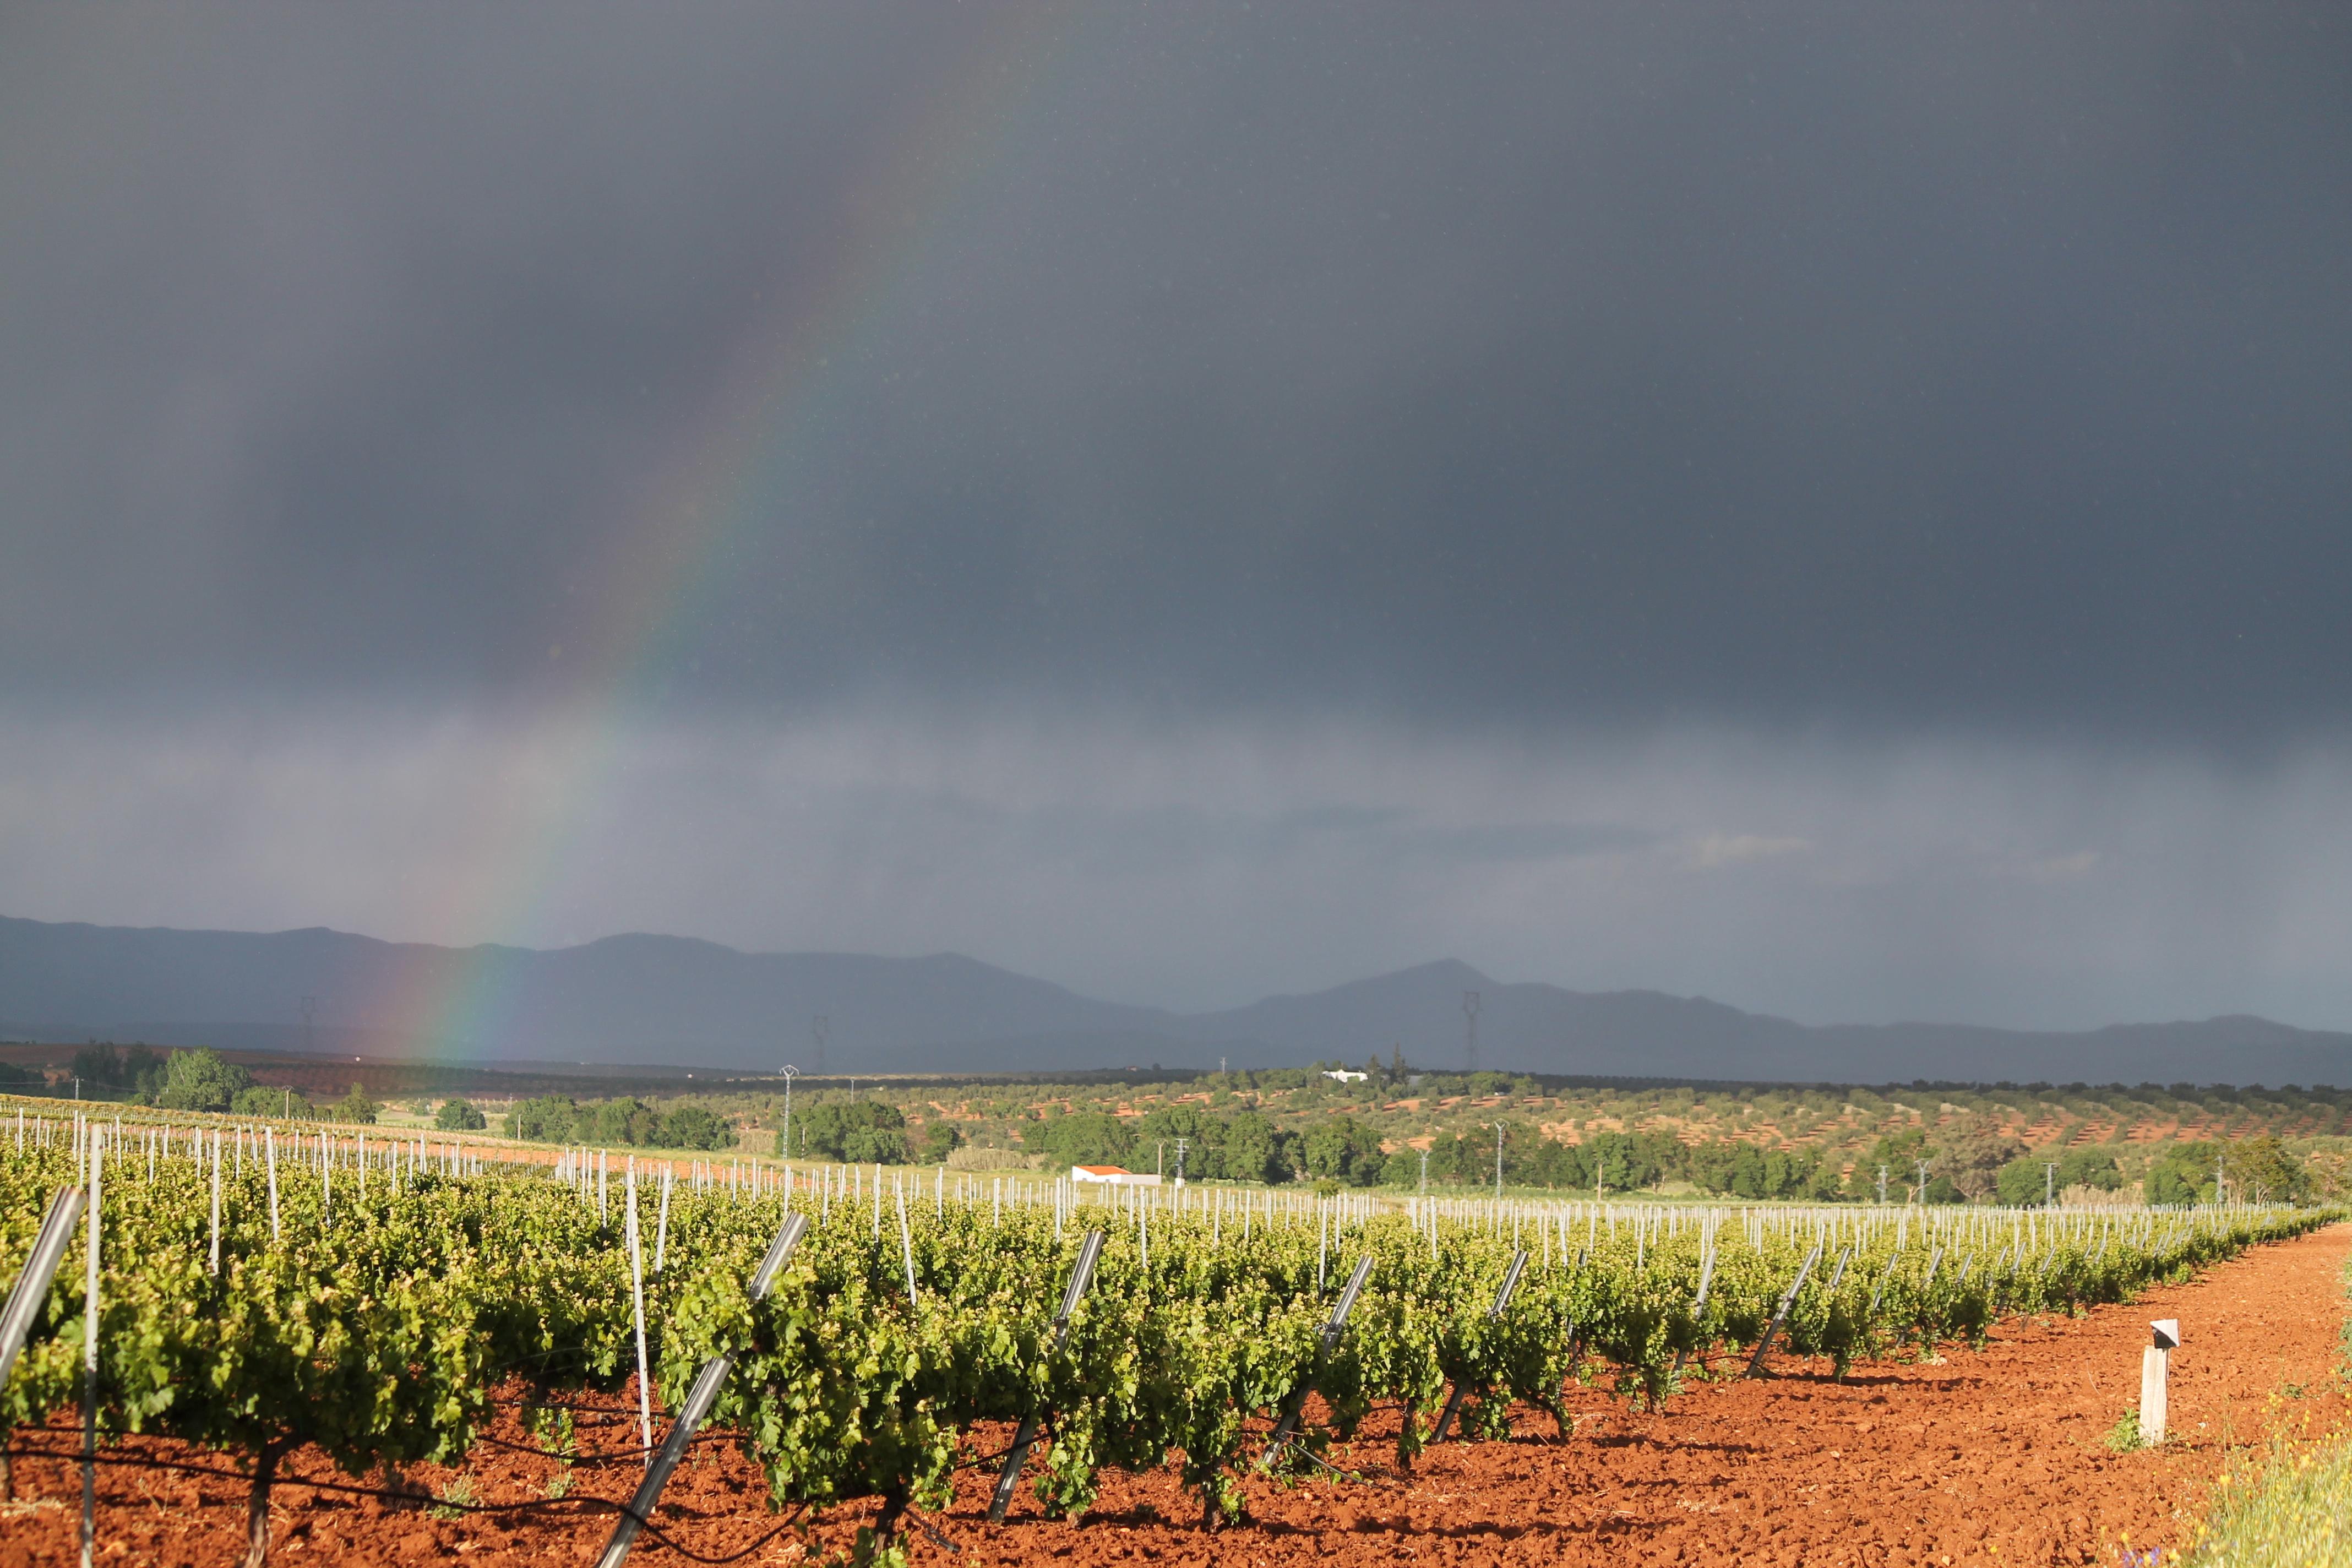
560 1119
1974 1165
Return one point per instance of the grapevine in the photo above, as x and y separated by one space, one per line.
393 1291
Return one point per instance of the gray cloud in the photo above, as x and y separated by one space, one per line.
1885 367
1831 881
1840 508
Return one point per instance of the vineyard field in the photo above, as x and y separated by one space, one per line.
372 1304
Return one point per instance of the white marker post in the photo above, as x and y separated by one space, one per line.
637 1302
661 1232
89 1358
216 1197
2153 1363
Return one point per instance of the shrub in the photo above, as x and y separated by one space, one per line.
458 1115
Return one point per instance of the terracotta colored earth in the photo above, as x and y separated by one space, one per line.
1990 1458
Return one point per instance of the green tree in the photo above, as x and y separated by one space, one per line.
2182 1174
1203 1134
458 1115
357 1106
142 1073
1971 1163
97 1065
1342 1149
2023 1182
1257 1151
548 1119
855 1131
1743 1170
939 1140
1089 1138
2089 1166
1900 1153
626 1122
200 1080
1402 1169
692 1127
264 1101
2261 1171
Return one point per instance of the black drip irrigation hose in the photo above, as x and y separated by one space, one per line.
414 1498
932 1531
632 1452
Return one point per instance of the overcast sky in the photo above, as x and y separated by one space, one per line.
1839 510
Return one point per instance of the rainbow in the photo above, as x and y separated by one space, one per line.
660 564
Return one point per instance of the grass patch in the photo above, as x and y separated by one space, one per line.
459 1493
2295 1511
2291 1510
2124 1435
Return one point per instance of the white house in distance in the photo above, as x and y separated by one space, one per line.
1344 1075
1111 1176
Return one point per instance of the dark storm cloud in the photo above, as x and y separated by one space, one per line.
1885 365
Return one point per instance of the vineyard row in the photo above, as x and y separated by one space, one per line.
372 1297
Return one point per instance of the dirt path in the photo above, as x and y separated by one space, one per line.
1991 1458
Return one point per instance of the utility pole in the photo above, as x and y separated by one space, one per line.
791 1072
819 1025
1424 1173
2049 1186
1923 1181
1221 1067
1498 1158
1181 1144
1882 1187
1470 1029
2219 1179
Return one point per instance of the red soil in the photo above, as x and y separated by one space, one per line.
1991 1457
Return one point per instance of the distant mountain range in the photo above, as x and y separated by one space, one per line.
676 1001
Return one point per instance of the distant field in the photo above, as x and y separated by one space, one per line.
1841 1126
1002 1120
